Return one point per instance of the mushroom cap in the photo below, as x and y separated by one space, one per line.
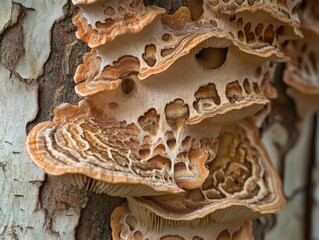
169 37
126 225
155 153
217 94
103 22
284 11
83 148
242 184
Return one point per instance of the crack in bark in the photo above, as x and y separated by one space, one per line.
56 80
95 218
54 197
11 40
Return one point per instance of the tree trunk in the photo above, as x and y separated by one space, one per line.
38 57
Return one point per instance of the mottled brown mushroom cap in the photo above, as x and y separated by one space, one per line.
102 22
127 226
100 154
169 37
241 184
284 11
206 89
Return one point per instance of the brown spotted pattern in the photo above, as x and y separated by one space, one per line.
104 21
168 115
122 229
240 180
169 37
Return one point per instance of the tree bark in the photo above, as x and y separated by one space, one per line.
38 57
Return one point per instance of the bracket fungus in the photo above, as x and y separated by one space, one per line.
169 37
102 22
169 115
241 185
126 225
302 71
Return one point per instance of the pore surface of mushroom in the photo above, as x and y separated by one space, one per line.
218 94
168 37
126 225
100 154
102 22
241 184
169 115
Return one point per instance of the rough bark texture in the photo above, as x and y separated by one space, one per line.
38 57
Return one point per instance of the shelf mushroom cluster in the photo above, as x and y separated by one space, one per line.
169 115
302 71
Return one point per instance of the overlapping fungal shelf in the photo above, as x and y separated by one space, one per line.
302 71
169 115
126 225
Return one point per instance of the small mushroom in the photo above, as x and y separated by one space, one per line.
126 225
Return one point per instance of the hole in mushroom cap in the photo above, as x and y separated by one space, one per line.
196 8
149 121
109 11
205 96
197 238
128 86
269 34
149 55
113 105
234 92
239 2
223 235
131 222
259 29
172 237
211 58
247 86
176 113
138 235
